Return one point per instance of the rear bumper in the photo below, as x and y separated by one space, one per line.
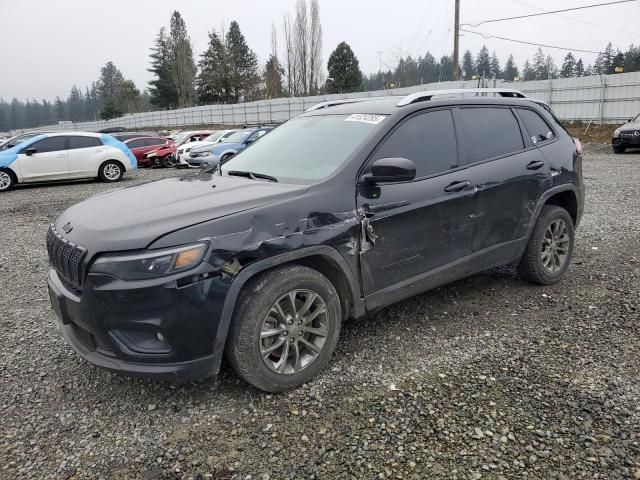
135 332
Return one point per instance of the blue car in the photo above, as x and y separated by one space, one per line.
211 155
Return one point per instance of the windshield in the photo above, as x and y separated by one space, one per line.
305 148
637 119
178 136
213 137
238 137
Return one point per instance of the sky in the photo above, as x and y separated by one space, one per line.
47 46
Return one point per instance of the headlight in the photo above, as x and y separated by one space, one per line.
150 155
616 133
150 264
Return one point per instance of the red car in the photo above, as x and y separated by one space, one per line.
165 156
141 146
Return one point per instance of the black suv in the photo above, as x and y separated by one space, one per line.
627 136
335 214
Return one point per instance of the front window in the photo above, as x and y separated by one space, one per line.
213 137
239 137
305 149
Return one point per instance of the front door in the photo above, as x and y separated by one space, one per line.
423 227
47 162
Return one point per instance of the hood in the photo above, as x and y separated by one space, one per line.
132 218
630 126
192 145
217 148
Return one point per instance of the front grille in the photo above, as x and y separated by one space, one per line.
630 133
65 257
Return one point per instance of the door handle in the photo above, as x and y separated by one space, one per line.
457 186
61 155
535 165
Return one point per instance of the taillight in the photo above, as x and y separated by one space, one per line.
578 145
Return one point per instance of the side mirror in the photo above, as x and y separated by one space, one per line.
30 151
392 170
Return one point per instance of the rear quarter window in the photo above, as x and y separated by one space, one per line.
537 128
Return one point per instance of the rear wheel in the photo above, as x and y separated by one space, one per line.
111 171
285 328
550 247
619 149
7 180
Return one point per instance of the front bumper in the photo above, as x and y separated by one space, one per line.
628 141
210 161
160 331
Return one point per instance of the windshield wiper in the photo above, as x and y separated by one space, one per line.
252 175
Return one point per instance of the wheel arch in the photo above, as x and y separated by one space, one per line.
16 176
560 195
119 162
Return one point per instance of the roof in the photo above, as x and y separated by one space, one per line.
78 134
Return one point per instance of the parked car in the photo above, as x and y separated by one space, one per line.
216 137
627 136
166 156
13 141
211 155
112 130
335 214
63 156
140 146
124 136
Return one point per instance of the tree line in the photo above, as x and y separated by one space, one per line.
229 71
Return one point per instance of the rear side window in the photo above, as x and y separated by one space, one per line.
136 143
537 128
428 139
83 142
489 132
51 144
150 142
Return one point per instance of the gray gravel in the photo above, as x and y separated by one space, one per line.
489 377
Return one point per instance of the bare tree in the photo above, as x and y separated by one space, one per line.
290 57
315 48
301 41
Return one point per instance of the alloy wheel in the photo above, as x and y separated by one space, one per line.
112 171
5 180
294 332
555 246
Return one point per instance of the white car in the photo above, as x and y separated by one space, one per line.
65 156
182 154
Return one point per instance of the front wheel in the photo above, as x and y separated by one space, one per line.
111 171
285 328
7 180
168 161
619 149
550 247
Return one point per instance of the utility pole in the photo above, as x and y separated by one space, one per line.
456 38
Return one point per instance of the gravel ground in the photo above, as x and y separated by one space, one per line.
489 377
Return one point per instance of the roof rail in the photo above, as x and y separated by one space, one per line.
422 96
332 103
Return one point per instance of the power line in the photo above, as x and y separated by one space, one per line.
484 35
420 27
548 13
578 20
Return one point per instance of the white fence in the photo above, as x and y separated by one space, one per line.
603 99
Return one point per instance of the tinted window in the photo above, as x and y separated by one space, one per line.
51 144
83 142
537 128
428 139
140 142
154 141
489 132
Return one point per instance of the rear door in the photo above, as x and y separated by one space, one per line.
49 162
420 227
85 156
509 173
138 147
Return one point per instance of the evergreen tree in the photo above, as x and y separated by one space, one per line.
60 112
618 61
162 90
604 61
344 70
182 66
468 65
483 62
428 69
445 69
47 113
75 105
212 82
273 74
579 70
243 65
632 59
568 68
510 69
528 72
495 70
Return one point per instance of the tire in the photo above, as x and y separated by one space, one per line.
619 149
111 171
167 161
7 180
548 255
256 313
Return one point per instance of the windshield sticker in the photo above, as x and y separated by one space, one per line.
365 118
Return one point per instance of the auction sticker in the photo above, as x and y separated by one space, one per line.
365 118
